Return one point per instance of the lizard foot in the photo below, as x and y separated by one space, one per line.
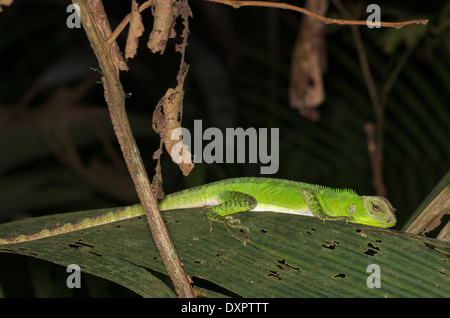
230 222
233 226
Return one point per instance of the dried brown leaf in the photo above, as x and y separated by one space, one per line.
5 3
136 29
306 90
164 19
166 119
185 12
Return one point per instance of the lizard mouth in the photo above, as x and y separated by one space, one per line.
389 223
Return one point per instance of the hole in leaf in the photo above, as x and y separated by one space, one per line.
84 244
312 229
360 233
283 262
275 274
372 250
373 246
443 274
331 245
96 254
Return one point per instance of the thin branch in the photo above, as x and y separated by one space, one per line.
237 4
96 26
374 155
364 63
395 73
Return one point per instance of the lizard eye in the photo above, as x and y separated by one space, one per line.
376 207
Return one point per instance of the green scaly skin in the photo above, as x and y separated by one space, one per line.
227 197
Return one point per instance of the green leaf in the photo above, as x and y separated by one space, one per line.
286 256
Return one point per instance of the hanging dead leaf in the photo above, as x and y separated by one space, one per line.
136 28
167 122
5 3
165 14
306 90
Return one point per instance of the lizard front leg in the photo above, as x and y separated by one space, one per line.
314 206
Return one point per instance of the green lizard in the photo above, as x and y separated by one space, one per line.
231 196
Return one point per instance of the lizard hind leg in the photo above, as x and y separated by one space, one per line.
231 202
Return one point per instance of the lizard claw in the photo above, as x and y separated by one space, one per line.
231 225
230 222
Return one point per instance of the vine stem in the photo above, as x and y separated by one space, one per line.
237 4
279 5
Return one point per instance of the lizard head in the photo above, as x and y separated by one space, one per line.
379 212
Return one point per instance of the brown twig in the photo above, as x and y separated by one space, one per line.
395 73
96 26
375 160
237 4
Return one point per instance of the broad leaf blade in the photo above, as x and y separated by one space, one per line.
102 251
286 256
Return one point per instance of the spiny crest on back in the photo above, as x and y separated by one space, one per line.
339 190
276 181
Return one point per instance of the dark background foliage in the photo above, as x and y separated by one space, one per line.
239 77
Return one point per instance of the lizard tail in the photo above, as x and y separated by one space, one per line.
105 218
